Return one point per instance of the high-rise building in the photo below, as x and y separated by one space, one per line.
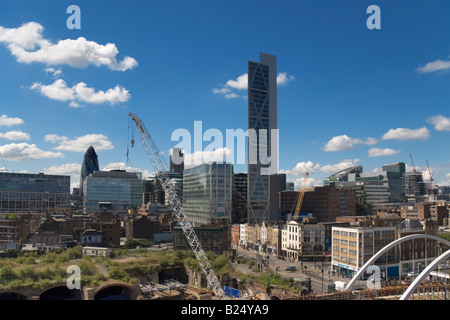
33 193
89 165
414 186
239 197
207 193
177 161
262 121
395 173
115 190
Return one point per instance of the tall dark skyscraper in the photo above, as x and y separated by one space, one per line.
262 119
177 161
89 165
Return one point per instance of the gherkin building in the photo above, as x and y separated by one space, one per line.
89 165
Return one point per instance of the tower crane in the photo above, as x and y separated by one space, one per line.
176 206
300 197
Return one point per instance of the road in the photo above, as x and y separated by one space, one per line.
311 270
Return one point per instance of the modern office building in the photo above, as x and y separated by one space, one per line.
394 173
239 198
207 193
33 193
88 166
262 121
115 190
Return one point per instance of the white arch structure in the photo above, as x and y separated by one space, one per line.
391 245
413 286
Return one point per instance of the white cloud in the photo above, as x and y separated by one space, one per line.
310 182
241 83
437 65
377 152
301 168
8 122
81 93
80 144
344 142
28 45
407 134
123 166
25 152
283 78
58 90
440 123
15 135
55 72
344 164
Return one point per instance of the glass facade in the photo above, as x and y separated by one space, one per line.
262 110
33 193
207 193
120 188
89 165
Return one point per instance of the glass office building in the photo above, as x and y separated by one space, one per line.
115 190
33 193
207 193
262 118
89 165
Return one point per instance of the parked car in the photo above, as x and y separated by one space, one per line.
290 268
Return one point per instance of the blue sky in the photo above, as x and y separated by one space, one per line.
346 94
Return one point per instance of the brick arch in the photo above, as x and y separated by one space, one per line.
131 289
388 247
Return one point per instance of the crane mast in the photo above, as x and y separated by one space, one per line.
300 197
176 206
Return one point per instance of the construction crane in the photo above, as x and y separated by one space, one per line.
176 206
431 178
412 162
300 197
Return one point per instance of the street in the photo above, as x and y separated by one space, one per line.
311 270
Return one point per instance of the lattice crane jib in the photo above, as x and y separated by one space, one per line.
176 206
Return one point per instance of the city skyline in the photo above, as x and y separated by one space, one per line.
346 94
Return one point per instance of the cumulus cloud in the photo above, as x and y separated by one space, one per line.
435 66
27 44
283 78
67 169
15 135
123 166
440 123
26 152
80 144
301 168
8 122
344 164
241 83
344 142
407 134
377 152
55 72
80 92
